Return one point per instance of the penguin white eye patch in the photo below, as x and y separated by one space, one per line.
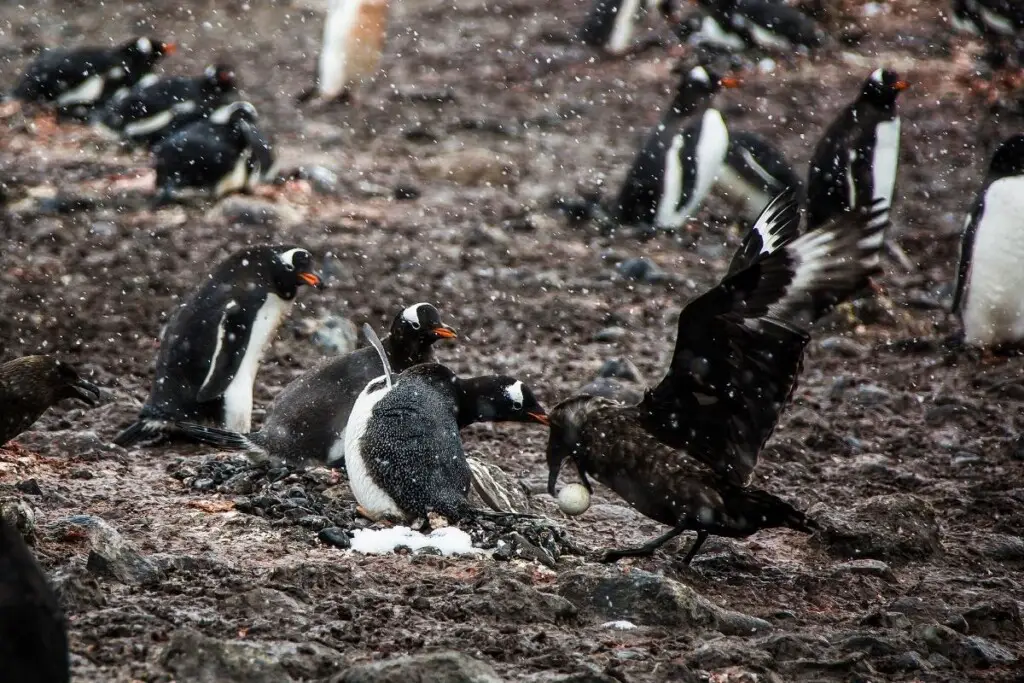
515 394
288 257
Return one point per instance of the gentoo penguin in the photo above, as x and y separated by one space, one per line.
992 18
856 159
610 24
354 33
211 347
86 77
754 172
155 105
683 455
33 635
221 154
307 419
680 159
772 26
990 281
403 451
31 384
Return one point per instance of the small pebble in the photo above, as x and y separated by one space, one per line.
335 537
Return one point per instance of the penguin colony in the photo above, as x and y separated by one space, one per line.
682 452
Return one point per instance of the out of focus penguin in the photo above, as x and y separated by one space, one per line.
610 24
353 40
78 80
754 172
157 106
222 154
211 347
990 280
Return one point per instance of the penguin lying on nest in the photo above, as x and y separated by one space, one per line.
30 385
156 107
79 80
683 455
307 419
33 635
210 349
403 451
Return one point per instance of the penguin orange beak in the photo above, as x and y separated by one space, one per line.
445 332
540 417
169 48
311 279
730 82
901 85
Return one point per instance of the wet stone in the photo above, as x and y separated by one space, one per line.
1002 547
865 568
967 650
191 656
641 269
112 555
843 346
450 667
335 537
896 527
998 618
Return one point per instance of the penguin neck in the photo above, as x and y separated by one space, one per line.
685 104
474 402
404 354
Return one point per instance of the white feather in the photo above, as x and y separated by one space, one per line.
86 92
237 178
711 32
736 188
238 396
374 500
993 310
885 159
622 30
149 125
411 315
769 39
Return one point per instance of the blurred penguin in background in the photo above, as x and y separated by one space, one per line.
354 34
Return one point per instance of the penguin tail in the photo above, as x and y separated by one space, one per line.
225 439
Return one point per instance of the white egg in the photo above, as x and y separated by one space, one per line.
574 499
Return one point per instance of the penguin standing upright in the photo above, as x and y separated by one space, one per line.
155 106
33 634
211 347
354 34
990 281
403 451
222 154
610 24
678 164
78 80
992 18
856 159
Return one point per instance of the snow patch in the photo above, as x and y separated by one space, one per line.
447 540
620 625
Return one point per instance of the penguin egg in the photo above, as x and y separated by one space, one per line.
574 499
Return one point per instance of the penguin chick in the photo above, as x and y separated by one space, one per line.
353 39
211 347
222 154
155 107
307 419
87 77
403 451
30 385
990 284
33 634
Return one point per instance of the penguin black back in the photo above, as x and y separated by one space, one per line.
31 384
33 635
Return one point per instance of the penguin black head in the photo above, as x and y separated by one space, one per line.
419 325
147 49
219 78
234 113
280 268
696 86
1008 159
498 398
882 88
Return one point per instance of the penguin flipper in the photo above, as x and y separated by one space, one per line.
262 159
963 267
233 334
375 342
217 437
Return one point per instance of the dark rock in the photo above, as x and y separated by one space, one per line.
966 651
911 660
998 618
649 599
897 527
865 568
335 536
610 334
30 487
195 658
249 211
112 555
786 647
641 269
843 346
1002 547
874 644
515 602
724 652
20 515
322 179
446 667
404 193
335 335
83 445
871 395
78 590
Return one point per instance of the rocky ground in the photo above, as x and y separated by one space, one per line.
176 563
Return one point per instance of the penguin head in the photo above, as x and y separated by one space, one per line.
291 267
147 50
219 78
882 88
696 85
1008 159
498 398
234 113
419 326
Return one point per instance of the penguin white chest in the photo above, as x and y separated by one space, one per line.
707 153
374 500
238 395
993 311
622 29
87 92
353 38
885 158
